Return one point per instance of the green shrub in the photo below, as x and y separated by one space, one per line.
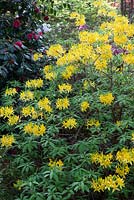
69 134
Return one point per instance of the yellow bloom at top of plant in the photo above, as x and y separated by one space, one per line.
111 182
37 130
6 111
63 103
47 68
84 106
13 120
90 37
74 15
132 137
69 123
7 140
122 170
125 156
55 164
18 185
98 3
36 56
100 64
68 72
31 112
129 59
45 104
80 21
55 50
26 95
50 76
10 92
118 123
35 83
92 122
106 99
103 160
65 87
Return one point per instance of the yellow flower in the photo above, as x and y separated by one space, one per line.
26 95
132 137
45 104
80 20
50 76
13 119
65 87
36 56
129 59
93 122
47 69
125 156
84 106
74 15
62 104
10 91
55 50
122 170
110 182
69 123
36 83
32 128
18 185
100 64
106 99
7 140
6 111
103 160
118 123
55 164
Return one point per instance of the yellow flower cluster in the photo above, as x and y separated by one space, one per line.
7 140
49 73
125 156
55 50
10 92
84 106
69 123
36 56
6 111
106 99
63 103
79 19
29 111
26 95
45 104
13 119
93 122
103 160
129 59
65 87
111 182
36 83
56 164
122 170
68 72
34 129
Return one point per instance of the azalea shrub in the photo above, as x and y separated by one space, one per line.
23 30
68 134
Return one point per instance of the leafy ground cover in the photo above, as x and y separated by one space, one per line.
69 133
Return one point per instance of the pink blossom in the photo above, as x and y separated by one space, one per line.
18 43
16 23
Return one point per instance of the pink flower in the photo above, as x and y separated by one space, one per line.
36 37
16 23
30 36
46 18
18 43
37 10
